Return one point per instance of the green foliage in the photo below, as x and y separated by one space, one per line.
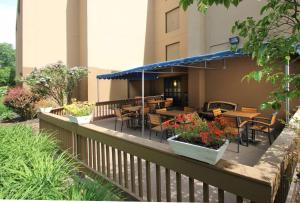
5 112
271 41
3 90
56 81
7 55
93 190
79 108
7 76
203 5
32 167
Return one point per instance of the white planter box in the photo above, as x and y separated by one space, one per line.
197 152
81 119
45 110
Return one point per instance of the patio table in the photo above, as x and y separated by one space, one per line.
156 102
132 108
241 114
172 113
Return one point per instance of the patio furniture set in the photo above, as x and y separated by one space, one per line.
244 121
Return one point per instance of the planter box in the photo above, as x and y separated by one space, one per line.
45 110
81 119
197 152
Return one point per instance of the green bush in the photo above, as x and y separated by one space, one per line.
32 167
5 112
3 90
7 76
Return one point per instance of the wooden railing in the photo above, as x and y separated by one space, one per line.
149 170
106 109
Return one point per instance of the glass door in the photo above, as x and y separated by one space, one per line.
176 88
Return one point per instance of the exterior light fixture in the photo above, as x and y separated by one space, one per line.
175 83
234 40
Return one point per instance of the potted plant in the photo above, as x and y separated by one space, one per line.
79 112
44 106
199 139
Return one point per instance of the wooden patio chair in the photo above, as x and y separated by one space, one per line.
188 109
264 125
236 129
217 112
122 118
156 125
168 103
146 112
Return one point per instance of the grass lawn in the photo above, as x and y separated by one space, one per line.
32 167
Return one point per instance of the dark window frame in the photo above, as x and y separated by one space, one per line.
166 14
166 52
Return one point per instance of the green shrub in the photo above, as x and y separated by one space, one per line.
88 189
5 112
3 90
56 81
7 76
32 167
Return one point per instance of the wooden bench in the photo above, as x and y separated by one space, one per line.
207 110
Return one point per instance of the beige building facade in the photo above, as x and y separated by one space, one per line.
107 36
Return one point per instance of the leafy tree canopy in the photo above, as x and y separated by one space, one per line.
271 40
56 81
7 55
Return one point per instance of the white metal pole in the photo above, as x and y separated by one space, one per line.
97 90
143 102
287 100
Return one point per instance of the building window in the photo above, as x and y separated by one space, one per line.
172 51
172 20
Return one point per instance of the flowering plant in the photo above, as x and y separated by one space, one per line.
194 130
79 108
44 103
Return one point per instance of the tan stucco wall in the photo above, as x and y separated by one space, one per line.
116 33
161 38
220 20
108 89
196 87
227 85
44 32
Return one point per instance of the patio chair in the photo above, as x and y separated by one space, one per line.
264 125
188 109
168 103
196 116
217 112
122 118
146 112
151 105
236 129
156 125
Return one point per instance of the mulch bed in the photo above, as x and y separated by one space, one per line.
34 123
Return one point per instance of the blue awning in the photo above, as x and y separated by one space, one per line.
136 73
